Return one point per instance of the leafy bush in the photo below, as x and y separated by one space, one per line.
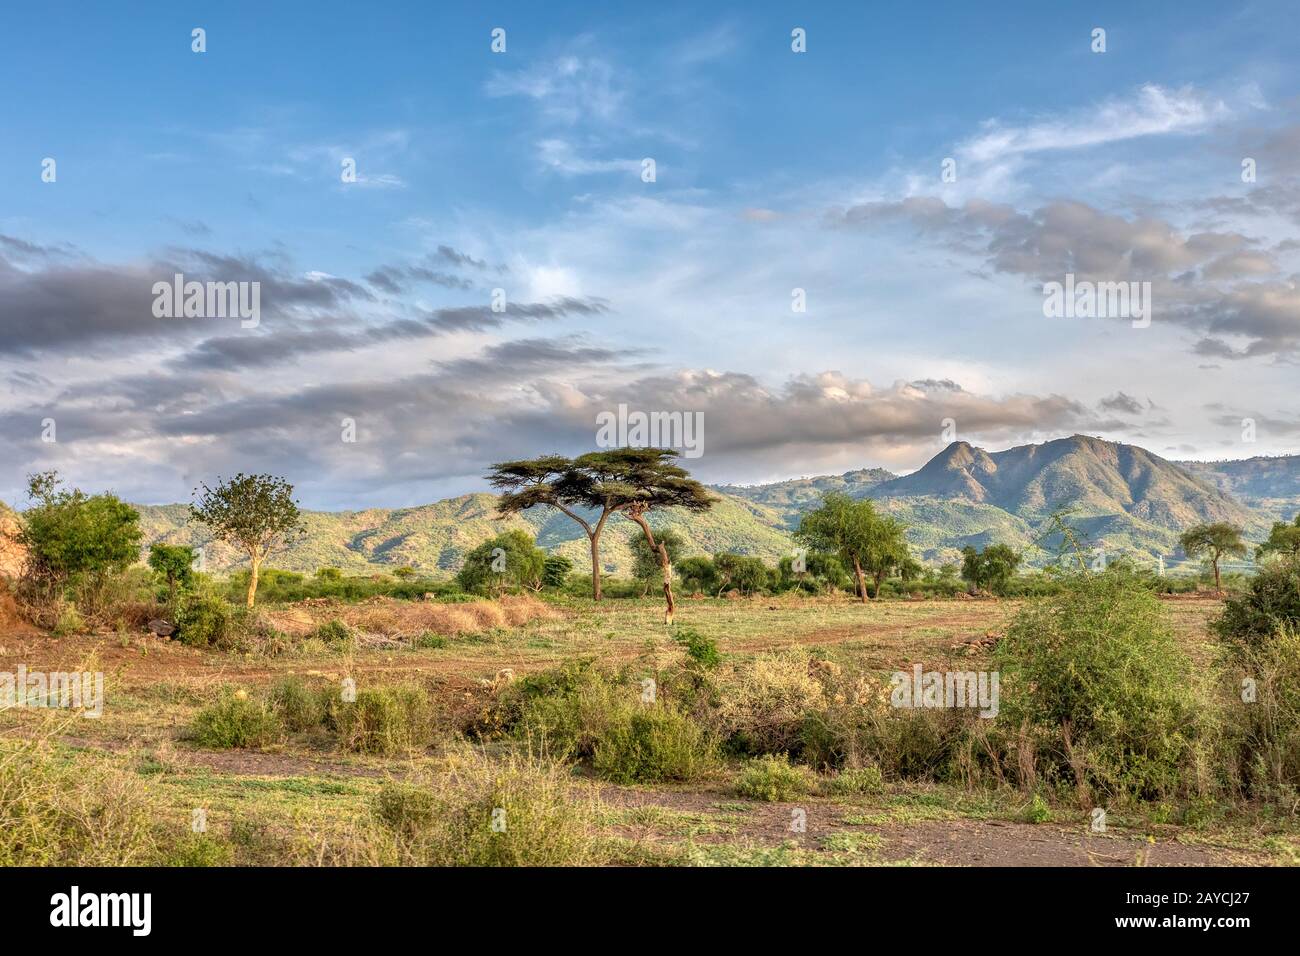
1264 728
580 712
761 705
650 743
236 720
386 720
1096 675
772 777
299 707
335 633
700 649
555 570
204 620
510 561
860 780
521 811
1272 603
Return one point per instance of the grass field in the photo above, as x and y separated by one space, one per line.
298 802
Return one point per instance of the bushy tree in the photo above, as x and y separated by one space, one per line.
820 572
1283 539
698 575
555 570
174 563
1095 672
75 538
255 513
1215 541
991 569
741 572
510 561
866 541
1270 605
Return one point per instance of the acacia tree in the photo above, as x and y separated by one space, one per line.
635 481
1215 541
1283 539
552 480
866 541
255 513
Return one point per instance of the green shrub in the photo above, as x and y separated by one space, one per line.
199 849
651 743
299 707
521 811
386 720
773 778
204 620
427 640
702 650
1036 811
859 780
336 634
65 809
1272 603
582 713
1096 676
1264 728
236 720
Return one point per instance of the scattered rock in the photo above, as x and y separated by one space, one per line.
161 628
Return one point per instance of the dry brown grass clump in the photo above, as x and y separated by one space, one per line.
387 617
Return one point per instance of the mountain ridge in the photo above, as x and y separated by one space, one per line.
1123 497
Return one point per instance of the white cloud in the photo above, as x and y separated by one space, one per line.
1154 110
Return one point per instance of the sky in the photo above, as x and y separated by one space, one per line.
829 233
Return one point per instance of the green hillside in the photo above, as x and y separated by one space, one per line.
1123 498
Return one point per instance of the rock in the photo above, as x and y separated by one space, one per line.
161 628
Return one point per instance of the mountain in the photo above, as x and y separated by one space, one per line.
795 495
1267 484
1121 496
435 538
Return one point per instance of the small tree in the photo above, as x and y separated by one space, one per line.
552 480
255 513
990 569
508 561
741 572
175 563
866 541
1283 539
555 570
74 538
1214 541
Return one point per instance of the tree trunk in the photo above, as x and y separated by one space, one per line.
595 566
1218 588
861 582
880 579
252 579
664 564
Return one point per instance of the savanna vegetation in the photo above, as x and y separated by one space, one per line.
532 713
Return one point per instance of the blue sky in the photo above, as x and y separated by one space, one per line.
522 171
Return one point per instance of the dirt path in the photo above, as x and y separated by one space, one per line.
958 842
